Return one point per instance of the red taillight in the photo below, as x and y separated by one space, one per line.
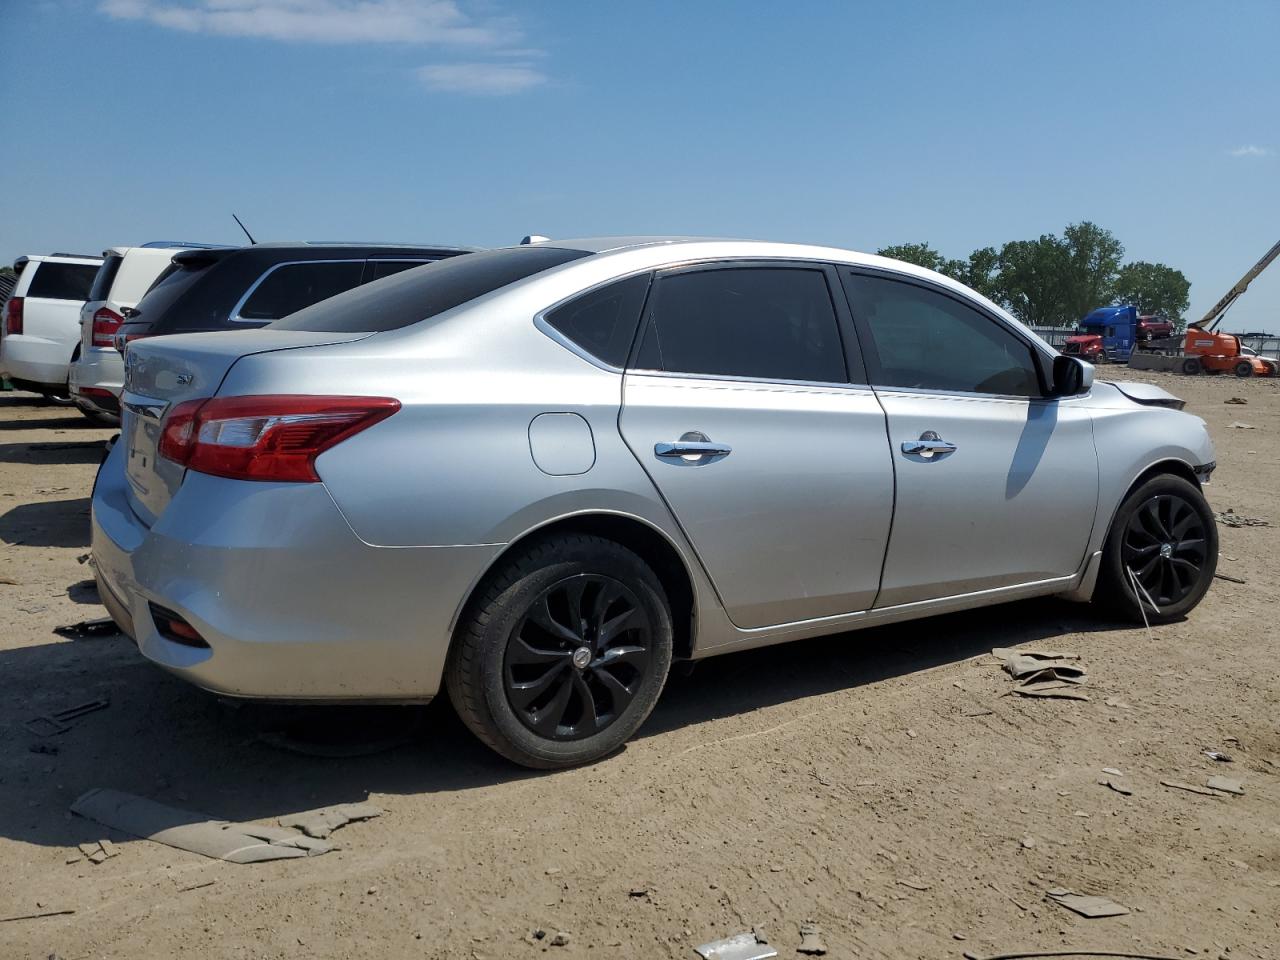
122 340
105 324
13 316
265 437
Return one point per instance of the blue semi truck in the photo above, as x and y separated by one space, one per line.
1111 333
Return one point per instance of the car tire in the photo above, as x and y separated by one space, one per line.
1166 533
1191 366
530 670
1243 369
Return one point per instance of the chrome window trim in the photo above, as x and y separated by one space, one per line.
235 311
753 381
541 322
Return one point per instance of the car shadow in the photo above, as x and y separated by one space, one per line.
49 523
213 756
73 421
52 453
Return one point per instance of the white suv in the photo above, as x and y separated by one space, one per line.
97 368
41 321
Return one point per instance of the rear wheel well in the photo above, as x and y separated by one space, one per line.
641 539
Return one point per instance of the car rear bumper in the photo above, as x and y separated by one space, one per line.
292 605
97 369
35 360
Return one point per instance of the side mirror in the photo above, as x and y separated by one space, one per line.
1071 376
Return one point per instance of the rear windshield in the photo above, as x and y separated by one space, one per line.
62 281
106 276
415 295
176 280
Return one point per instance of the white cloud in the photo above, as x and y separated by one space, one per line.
440 22
1251 150
492 79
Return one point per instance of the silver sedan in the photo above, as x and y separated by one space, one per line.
536 476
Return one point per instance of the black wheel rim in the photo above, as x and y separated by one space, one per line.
578 657
1165 546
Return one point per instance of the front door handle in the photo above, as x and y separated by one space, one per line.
929 445
692 447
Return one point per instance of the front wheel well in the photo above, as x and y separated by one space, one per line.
1175 467
641 539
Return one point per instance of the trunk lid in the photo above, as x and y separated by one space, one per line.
163 372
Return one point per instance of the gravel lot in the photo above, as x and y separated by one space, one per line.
876 782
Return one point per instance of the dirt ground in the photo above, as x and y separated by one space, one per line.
875 782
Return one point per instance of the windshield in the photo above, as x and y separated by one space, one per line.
425 292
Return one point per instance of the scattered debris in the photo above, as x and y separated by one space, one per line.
1237 425
1028 842
811 939
1112 771
638 892
1218 755
1232 519
48 748
1118 704
197 886
37 916
560 939
1043 673
1226 785
1117 787
46 725
1086 906
320 823
98 851
1068 953
915 883
85 558
1236 400
1229 578
87 629
193 832
742 946
10 581
1189 787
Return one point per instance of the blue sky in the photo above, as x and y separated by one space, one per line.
854 124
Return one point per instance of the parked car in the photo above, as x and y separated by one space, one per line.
97 369
244 287
41 321
537 475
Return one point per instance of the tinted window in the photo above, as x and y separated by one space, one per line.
928 340
292 286
63 281
385 268
603 322
420 294
766 322
105 276
176 280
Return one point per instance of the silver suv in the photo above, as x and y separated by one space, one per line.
555 468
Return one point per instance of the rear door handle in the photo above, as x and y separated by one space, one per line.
929 445
692 447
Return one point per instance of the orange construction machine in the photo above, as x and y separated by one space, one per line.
1202 349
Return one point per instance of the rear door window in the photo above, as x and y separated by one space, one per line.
378 269
603 322
105 276
769 323
289 287
62 281
421 294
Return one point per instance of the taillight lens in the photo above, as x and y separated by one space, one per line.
105 324
265 437
13 316
122 340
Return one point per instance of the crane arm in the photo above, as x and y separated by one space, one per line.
1209 322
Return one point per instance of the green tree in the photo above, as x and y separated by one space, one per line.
981 272
1154 288
1091 265
1032 280
921 254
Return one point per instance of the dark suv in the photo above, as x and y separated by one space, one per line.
231 289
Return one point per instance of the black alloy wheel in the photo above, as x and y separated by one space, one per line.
577 657
1166 546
